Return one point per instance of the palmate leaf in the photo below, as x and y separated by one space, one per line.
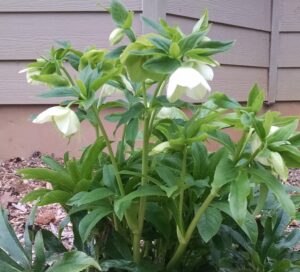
74 261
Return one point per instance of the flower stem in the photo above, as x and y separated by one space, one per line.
148 123
143 200
188 235
110 152
181 195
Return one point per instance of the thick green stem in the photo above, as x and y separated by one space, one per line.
67 75
110 152
188 235
181 186
143 200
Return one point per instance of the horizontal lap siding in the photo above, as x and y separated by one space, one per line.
251 47
62 5
253 14
289 51
27 36
242 66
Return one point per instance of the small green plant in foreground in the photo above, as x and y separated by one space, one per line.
169 204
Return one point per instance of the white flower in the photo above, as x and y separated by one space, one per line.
64 118
116 36
190 81
171 113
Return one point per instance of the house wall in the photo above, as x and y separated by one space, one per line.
267 34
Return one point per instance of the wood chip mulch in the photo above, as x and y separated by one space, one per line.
13 189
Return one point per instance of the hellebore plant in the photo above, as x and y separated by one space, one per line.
160 206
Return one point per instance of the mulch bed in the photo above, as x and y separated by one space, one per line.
13 189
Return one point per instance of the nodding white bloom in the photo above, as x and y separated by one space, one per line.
191 81
171 113
116 36
64 119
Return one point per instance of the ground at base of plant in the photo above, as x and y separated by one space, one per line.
13 189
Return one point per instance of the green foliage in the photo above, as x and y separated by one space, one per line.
160 198
15 258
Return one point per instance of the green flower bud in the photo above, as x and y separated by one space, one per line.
116 36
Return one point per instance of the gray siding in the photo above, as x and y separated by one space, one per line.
261 28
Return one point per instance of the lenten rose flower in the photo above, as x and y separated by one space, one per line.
64 119
189 81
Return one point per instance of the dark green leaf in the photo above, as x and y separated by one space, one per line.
224 101
161 43
52 79
57 179
74 261
118 12
52 163
55 196
256 98
10 243
208 48
122 204
209 224
159 218
223 139
59 92
189 42
90 220
161 65
155 26
40 258
239 191
225 173
91 157
109 177
34 195
263 176
131 132
89 197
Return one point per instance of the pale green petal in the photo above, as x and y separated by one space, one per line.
46 116
171 113
159 148
278 165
